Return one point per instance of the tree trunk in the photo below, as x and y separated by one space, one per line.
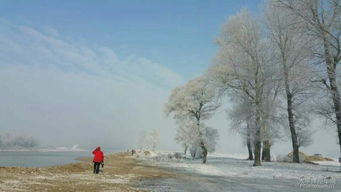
257 137
266 156
185 152
250 151
202 143
294 141
248 142
295 147
331 69
257 142
258 146
193 152
204 152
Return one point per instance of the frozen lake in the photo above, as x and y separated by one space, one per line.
39 158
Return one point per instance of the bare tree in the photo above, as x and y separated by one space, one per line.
321 20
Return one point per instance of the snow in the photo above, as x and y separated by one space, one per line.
74 148
146 154
328 163
228 155
231 172
235 165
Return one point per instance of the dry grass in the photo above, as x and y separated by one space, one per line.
309 159
120 173
317 158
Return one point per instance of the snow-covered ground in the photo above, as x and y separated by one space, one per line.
329 163
226 170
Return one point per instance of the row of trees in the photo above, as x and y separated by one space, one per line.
276 70
8 141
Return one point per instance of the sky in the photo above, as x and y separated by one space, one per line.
177 34
99 72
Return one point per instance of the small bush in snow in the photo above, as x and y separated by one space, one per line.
178 155
170 156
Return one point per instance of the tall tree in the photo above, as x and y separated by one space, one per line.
293 59
246 57
321 20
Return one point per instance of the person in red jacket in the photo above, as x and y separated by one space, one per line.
98 159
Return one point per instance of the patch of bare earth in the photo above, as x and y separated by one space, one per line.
121 171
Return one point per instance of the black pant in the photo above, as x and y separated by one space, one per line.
96 167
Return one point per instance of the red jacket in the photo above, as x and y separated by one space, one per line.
99 156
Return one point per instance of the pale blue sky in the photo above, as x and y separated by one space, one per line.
99 72
178 34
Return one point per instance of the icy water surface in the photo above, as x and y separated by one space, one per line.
38 158
43 158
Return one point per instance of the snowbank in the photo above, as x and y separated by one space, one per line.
146 154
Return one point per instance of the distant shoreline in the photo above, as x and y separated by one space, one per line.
42 150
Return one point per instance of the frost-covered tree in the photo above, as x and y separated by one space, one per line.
154 139
190 105
244 67
149 139
142 140
320 20
292 56
210 136
270 116
190 137
242 118
242 115
185 134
